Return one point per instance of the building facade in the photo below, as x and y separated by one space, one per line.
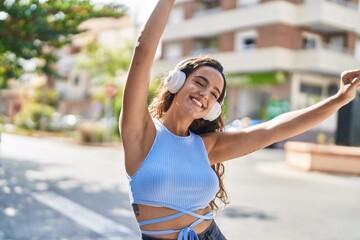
278 55
76 90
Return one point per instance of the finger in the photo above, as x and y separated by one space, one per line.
348 79
352 71
348 76
356 82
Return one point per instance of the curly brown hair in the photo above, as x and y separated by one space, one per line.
163 100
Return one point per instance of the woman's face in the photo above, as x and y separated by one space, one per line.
201 90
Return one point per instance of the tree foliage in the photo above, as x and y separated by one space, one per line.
102 63
34 28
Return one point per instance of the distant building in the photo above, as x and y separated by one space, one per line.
292 51
75 90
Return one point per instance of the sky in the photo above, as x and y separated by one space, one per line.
141 8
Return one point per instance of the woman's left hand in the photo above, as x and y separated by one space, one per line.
350 81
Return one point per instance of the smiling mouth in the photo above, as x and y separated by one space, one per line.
197 102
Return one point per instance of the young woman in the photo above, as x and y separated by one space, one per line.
174 151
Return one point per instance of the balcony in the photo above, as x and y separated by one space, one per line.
343 3
323 59
320 15
320 60
330 16
213 24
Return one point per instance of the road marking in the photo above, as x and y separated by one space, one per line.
85 217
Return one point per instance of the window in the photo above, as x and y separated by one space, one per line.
249 42
207 4
310 89
205 45
337 43
76 81
311 40
309 43
309 94
172 50
247 3
357 49
245 40
204 7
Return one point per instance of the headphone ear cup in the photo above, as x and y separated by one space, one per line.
214 112
175 80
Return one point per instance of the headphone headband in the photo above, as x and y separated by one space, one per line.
186 60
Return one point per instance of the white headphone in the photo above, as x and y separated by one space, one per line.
176 79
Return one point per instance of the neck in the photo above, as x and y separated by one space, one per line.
177 126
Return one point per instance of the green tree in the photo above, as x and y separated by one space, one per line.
103 65
34 28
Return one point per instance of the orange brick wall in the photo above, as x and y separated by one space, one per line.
189 7
350 41
226 42
280 35
187 45
228 4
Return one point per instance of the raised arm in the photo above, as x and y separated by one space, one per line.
229 145
136 126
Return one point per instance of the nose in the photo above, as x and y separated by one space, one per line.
204 94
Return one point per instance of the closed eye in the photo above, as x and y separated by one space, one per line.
200 83
203 81
215 96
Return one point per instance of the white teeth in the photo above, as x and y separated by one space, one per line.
197 102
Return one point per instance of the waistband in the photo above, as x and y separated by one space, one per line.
212 232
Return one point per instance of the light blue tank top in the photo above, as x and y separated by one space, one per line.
175 174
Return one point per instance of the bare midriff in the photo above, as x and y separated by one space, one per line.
147 212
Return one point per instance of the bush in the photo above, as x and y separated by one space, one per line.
35 116
90 132
48 97
3 119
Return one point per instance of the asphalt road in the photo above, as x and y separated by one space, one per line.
52 189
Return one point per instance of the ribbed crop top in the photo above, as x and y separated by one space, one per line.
175 174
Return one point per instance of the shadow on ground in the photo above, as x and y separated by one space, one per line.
24 218
247 213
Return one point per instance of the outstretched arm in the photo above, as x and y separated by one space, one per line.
136 126
228 145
